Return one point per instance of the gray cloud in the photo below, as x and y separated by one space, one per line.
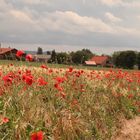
105 24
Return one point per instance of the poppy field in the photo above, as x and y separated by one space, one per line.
43 103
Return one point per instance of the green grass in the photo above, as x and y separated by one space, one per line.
38 64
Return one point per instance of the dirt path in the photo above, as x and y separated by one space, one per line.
130 130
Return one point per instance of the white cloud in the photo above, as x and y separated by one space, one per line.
73 23
138 17
31 2
4 7
22 16
127 31
112 18
130 4
111 2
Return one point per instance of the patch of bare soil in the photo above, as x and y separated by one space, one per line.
130 130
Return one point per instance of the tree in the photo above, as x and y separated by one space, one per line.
48 52
53 58
125 59
115 58
81 56
88 53
62 58
138 60
39 50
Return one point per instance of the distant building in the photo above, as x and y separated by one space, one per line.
8 53
41 58
90 63
104 61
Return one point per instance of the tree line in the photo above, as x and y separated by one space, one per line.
126 59
78 57
120 59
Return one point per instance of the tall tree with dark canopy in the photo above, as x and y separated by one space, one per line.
138 60
39 50
62 58
125 59
53 58
81 56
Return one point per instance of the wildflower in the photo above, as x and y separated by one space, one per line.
60 79
70 69
37 135
41 82
50 71
29 80
44 66
7 79
19 53
58 87
29 57
130 96
5 120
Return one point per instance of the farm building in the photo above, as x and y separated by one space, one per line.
41 58
90 63
8 53
104 61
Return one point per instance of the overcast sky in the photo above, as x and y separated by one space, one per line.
103 26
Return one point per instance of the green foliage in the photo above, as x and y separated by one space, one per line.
53 58
79 57
125 59
62 58
39 50
138 60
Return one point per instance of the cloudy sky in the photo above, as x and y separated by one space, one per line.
103 26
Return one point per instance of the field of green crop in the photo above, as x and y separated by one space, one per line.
56 102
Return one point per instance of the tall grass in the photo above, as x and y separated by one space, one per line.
65 104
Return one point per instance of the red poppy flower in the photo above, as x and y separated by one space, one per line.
60 79
130 96
37 136
44 67
50 71
29 80
7 79
19 53
70 69
29 57
58 87
5 120
41 82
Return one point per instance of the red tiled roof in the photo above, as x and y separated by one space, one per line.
99 59
5 50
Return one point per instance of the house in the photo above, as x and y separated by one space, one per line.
41 58
8 53
90 63
104 61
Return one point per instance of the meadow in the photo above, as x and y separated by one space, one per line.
57 102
